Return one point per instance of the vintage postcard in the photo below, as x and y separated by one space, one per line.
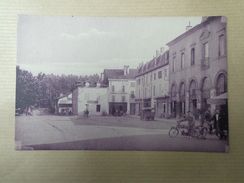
122 84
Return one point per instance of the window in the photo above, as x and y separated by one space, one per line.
132 94
193 56
123 88
154 90
113 88
182 60
113 98
150 77
155 75
145 94
159 74
98 108
123 98
165 72
173 65
221 45
139 93
205 50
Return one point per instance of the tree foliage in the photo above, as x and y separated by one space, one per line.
26 88
41 90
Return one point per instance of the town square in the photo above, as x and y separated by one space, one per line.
123 106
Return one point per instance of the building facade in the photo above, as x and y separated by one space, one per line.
152 84
89 97
121 90
198 67
63 104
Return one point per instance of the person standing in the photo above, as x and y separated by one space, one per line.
216 118
220 121
191 123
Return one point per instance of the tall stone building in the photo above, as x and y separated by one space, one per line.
152 84
198 67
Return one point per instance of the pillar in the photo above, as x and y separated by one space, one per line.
187 101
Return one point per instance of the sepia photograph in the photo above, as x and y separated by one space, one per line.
122 83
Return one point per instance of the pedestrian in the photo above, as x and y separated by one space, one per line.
207 115
31 110
191 123
220 120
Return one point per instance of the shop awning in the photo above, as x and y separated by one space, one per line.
219 100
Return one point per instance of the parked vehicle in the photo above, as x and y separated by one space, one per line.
182 129
207 128
147 114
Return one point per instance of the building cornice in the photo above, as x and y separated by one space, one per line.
192 30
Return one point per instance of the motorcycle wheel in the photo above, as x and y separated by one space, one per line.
173 132
202 133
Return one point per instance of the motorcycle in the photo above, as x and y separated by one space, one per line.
182 129
207 128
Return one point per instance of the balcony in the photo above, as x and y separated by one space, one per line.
205 63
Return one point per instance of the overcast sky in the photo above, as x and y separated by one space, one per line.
87 45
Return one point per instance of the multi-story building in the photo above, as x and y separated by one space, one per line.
121 90
89 96
198 66
152 84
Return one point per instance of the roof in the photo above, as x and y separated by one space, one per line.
62 96
119 74
153 64
195 28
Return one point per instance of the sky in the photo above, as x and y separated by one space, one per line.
88 45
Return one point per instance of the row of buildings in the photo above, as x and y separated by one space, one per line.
182 78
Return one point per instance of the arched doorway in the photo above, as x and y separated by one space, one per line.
193 97
173 101
221 84
206 85
182 93
221 87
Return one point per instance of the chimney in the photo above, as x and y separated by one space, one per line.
188 27
87 84
102 77
162 50
157 53
125 70
204 18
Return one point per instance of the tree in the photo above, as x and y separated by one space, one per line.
26 89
